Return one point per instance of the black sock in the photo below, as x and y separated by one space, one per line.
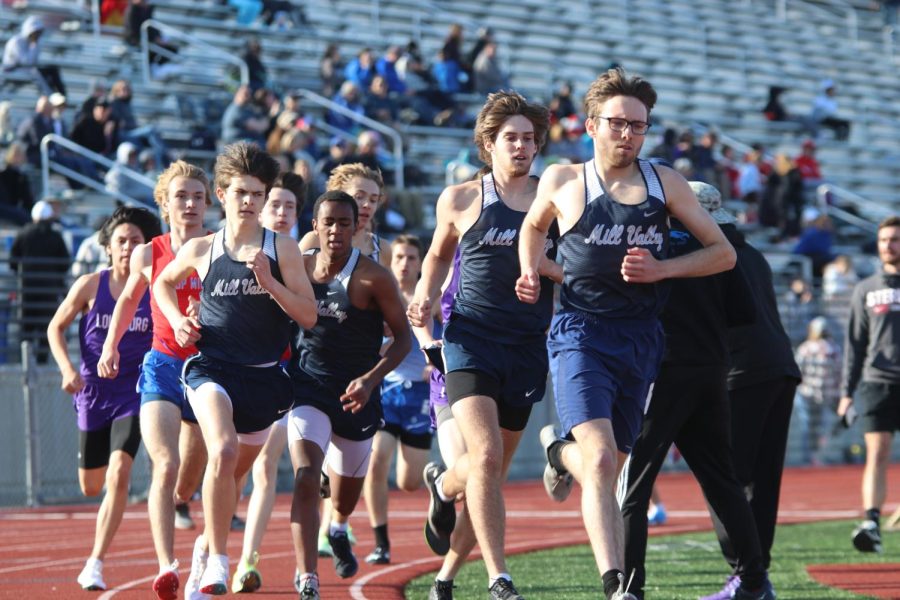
381 536
611 582
554 456
873 514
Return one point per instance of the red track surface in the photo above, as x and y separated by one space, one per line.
42 551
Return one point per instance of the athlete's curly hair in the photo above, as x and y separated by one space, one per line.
499 107
616 83
342 174
179 168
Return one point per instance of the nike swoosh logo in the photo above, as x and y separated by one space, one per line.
331 293
281 412
651 213
367 427
529 394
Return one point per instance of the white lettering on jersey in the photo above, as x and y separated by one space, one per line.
235 287
495 237
331 310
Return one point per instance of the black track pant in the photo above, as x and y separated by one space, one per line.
760 416
689 407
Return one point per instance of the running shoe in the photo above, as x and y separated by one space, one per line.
345 563
557 482
166 583
307 587
198 565
246 576
91 576
732 582
441 515
441 590
215 577
325 550
381 555
867 537
503 589
183 518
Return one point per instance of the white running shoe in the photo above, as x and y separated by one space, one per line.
198 565
91 576
215 578
557 484
166 583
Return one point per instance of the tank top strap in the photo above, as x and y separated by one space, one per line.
376 253
489 193
268 245
651 178
104 295
218 246
347 271
593 188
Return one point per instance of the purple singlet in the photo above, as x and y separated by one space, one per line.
104 400
438 392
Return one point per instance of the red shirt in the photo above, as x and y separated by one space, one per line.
809 167
163 336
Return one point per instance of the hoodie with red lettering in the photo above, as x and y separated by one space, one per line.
872 349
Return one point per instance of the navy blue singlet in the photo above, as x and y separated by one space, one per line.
592 251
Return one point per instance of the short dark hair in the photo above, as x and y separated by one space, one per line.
243 158
339 197
615 82
294 184
893 221
409 240
141 218
501 106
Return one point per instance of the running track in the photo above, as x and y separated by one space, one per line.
42 550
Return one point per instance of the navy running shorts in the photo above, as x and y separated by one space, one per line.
325 395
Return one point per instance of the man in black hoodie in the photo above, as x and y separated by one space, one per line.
761 385
871 379
689 406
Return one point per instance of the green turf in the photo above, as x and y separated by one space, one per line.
679 567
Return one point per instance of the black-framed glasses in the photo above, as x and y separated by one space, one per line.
619 125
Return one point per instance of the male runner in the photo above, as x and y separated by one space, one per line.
279 214
253 286
404 400
494 345
337 370
182 194
107 411
606 343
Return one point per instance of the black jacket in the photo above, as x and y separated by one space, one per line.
760 351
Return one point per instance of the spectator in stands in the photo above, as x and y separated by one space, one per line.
565 141
447 74
820 361
15 190
91 254
33 129
705 165
774 110
96 90
685 167
824 113
136 13
127 128
283 14
338 151
252 56
348 97
816 240
487 73
94 131
667 148
838 278
783 199
41 259
119 179
247 10
750 179
685 146
378 104
729 174
361 70
798 308
7 131
370 152
386 66
484 37
22 54
330 69
242 120
561 105
147 164
451 52
808 164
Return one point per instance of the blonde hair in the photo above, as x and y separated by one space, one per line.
179 168
342 174
616 83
